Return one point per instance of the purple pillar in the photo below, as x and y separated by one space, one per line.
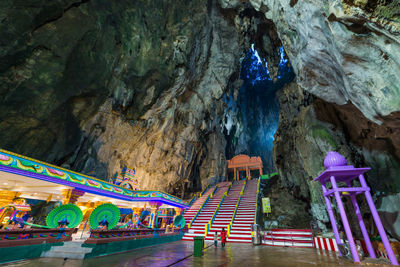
364 231
332 217
346 225
362 224
337 170
378 222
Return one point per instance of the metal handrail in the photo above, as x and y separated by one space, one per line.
236 207
255 211
192 200
207 227
209 224
229 188
258 190
205 189
201 207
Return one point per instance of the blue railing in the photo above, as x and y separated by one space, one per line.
205 189
236 207
201 208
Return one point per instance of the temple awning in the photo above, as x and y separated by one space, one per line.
18 165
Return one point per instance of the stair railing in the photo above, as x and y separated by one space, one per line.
229 188
207 227
192 200
258 190
201 207
255 215
209 224
205 189
229 227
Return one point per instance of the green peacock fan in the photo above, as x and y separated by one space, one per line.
109 212
72 213
179 221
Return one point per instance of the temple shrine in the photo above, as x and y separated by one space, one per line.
244 163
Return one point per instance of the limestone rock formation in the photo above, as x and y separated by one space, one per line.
341 52
94 85
346 55
309 127
286 209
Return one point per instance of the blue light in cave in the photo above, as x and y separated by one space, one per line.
257 102
254 68
259 61
283 60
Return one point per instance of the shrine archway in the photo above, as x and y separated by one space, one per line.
244 163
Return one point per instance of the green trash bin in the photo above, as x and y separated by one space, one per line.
198 246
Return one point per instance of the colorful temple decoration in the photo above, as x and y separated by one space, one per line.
15 210
166 212
165 217
126 179
24 166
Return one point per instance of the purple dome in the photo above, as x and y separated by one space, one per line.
334 159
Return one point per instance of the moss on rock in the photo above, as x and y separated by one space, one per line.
323 134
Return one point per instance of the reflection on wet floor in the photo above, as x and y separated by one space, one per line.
243 255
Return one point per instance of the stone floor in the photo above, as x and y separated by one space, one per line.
243 255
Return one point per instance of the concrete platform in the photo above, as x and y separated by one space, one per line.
231 255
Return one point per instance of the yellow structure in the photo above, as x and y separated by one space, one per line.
71 196
7 197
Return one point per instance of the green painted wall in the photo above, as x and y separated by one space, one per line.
19 253
123 246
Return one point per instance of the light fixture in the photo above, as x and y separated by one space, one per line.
5 183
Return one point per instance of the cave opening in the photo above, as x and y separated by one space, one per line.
252 114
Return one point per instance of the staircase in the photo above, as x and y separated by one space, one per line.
225 213
70 250
191 212
198 225
289 238
241 226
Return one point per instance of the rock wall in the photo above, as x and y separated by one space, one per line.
346 98
300 145
338 48
286 209
177 140
95 85
309 127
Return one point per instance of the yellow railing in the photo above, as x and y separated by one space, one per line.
205 189
229 188
236 207
192 200
255 211
209 224
258 190
201 207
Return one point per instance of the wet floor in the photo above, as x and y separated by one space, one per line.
242 255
